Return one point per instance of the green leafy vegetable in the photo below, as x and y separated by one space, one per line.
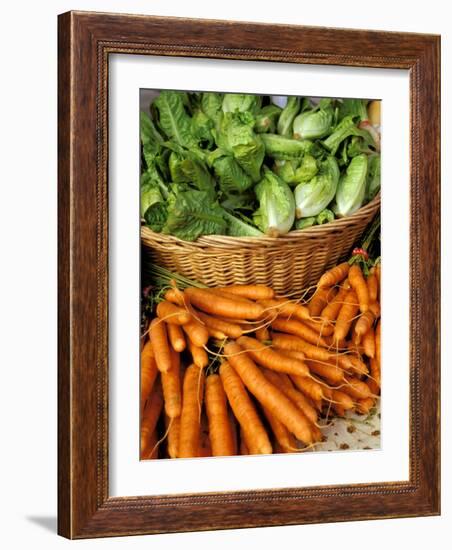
173 119
287 116
294 172
325 216
353 107
276 212
211 103
231 177
352 187
242 103
344 129
194 214
304 223
282 148
312 197
315 123
201 128
239 228
266 119
373 177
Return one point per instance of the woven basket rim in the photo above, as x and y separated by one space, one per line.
292 236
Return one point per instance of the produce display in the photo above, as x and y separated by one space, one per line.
249 165
240 370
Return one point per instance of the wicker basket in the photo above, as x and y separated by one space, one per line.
288 264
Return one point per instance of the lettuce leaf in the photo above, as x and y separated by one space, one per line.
230 176
192 214
282 148
173 119
241 103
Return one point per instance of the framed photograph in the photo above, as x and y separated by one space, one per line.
248 275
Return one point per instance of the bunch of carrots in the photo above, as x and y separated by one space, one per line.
239 370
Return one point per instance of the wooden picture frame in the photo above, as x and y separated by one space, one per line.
85 42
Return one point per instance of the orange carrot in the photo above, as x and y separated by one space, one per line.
233 428
176 337
151 453
199 355
334 275
252 292
224 307
369 343
364 323
262 334
173 314
359 285
244 411
297 328
196 332
293 343
363 406
190 427
331 310
375 371
149 420
243 445
266 356
282 381
344 400
338 409
217 413
285 308
173 427
373 386
226 327
309 387
356 388
205 447
374 307
324 328
268 395
217 334
346 314
372 286
283 437
171 387
320 299
149 372
160 345
176 296
331 373
378 343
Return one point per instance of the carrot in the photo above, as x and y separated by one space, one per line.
331 373
176 337
372 286
338 409
268 395
149 372
190 427
245 412
285 308
173 428
262 334
234 307
319 300
199 355
282 381
171 387
324 328
196 332
297 328
375 371
170 313
217 334
205 447
253 292
373 386
344 400
334 275
175 296
271 359
346 314
331 310
378 343
293 343
283 437
243 445
363 406
152 451
224 294
364 323
356 388
149 420
359 285
369 343
217 413
229 329
233 428
159 339
375 308
356 365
